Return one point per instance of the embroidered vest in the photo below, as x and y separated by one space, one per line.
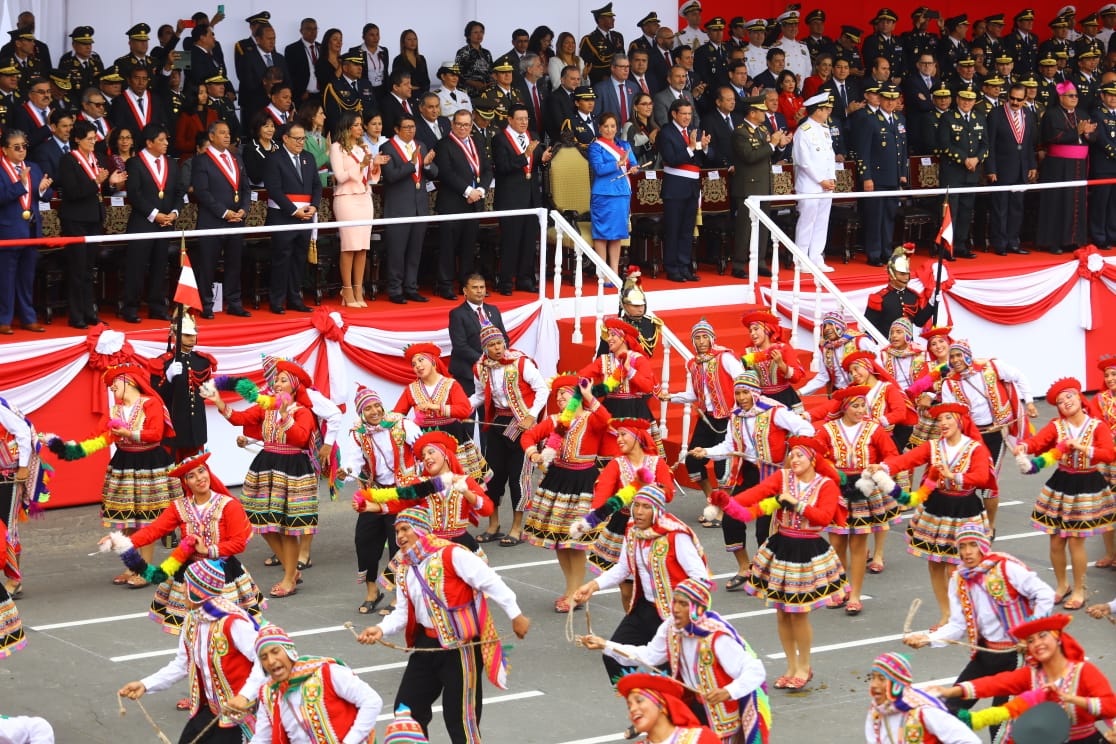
724 718
1011 607
328 718
960 464
577 448
227 667
666 571
905 369
770 442
133 422
275 426
439 397
770 376
1073 459
712 383
608 364
832 358
403 459
449 601
517 392
999 399
855 454
209 530
1106 403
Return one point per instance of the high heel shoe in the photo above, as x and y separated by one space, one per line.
347 298
358 291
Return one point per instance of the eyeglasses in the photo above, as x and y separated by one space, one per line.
42 91
1070 95
19 146
1017 100
297 139
462 124
401 127
99 104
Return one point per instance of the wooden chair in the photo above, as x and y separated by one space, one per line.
718 224
916 218
647 220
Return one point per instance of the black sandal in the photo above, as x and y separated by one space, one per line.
308 564
387 610
487 537
272 561
736 583
368 606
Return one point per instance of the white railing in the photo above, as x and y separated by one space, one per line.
582 250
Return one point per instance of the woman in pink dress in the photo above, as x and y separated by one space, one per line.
354 171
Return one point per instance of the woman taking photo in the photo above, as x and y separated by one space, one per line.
610 164
790 103
261 144
641 131
81 177
328 67
121 146
565 54
411 62
355 169
311 117
196 116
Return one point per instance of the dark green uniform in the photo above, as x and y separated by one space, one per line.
960 138
596 51
81 76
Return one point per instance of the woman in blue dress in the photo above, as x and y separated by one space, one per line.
610 163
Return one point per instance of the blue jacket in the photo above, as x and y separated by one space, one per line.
12 224
604 170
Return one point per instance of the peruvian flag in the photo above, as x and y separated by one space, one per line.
186 293
945 235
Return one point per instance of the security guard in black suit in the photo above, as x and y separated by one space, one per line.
711 58
882 150
350 92
962 149
887 46
581 128
82 71
1023 49
596 49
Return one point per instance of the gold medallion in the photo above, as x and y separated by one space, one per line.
27 214
160 194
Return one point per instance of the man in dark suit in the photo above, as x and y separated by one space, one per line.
720 123
532 93
517 160
156 200
301 57
48 153
203 62
846 91
405 177
138 106
432 127
23 185
464 330
776 63
397 103
641 74
559 105
223 195
683 156
919 87
465 174
32 117
254 66
514 56
294 192
1011 160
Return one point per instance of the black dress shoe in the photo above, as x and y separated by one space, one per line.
527 287
398 299
692 277
764 270
447 294
238 311
875 262
965 254
416 297
1019 251
79 324
300 308
275 309
1057 251
131 318
505 291
739 274
207 314
1000 251
676 278
158 314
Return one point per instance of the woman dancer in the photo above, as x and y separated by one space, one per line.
566 445
280 492
852 442
1105 405
1076 501
796 570
775 361
214 523
959 464
926 390
656 710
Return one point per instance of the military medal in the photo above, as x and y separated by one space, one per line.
26 214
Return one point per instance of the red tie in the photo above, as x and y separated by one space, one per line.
314 53
228 161
643 85
666 55
537 104
481 316
686 137
771 118
623 95
407 106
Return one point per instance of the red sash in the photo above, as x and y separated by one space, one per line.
615 151
232 177
89 166
417 175
519 151
159 179
276 115
471 154
34 114
145 118
25 199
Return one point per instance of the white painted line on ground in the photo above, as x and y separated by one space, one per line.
846 644
90 621
381 668
529 564
598 739
1020 536
487 702
170 652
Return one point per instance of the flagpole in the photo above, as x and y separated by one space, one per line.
941 257
181 307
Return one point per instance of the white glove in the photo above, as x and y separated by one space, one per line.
174 369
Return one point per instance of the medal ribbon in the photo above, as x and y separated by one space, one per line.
25 199
234 177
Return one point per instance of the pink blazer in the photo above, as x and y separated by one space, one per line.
347 174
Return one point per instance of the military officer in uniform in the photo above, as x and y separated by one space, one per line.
755 55
1102 164
1058 41
848 49
10 99
350 92
990 41
24 59
581 128
61 92
248 45
111 84
649 25
1021 45
1090 25
814 173
139 38
711 58
691 36
962 149
924 136
81 64
753 149
483 127
989 97
1047 81
226 111
881 145
817 42
1086 79
798 56
966 77
883 43
953 47
501 95
597 47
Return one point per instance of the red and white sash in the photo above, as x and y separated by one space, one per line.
158 172
1016 128
471 154
144 117
89 166
33 112
416 175
233 175
25 199
615 151
520 150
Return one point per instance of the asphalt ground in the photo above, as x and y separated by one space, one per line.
86 637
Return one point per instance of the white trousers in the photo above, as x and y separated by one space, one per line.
813 227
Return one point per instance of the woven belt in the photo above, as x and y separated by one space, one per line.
788 532
283 449
136 446
575 465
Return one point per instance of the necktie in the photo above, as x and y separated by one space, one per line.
66 148
841 94
19 170
139 102
623 96
771 120
480 315
728 121
100 127
929 84
228 162
453 95
523 142
686 137
642 84
407 106
666 56
537 103
267 58
45 113
297 166
314 53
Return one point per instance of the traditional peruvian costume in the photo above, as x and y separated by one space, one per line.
775 382
910 715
